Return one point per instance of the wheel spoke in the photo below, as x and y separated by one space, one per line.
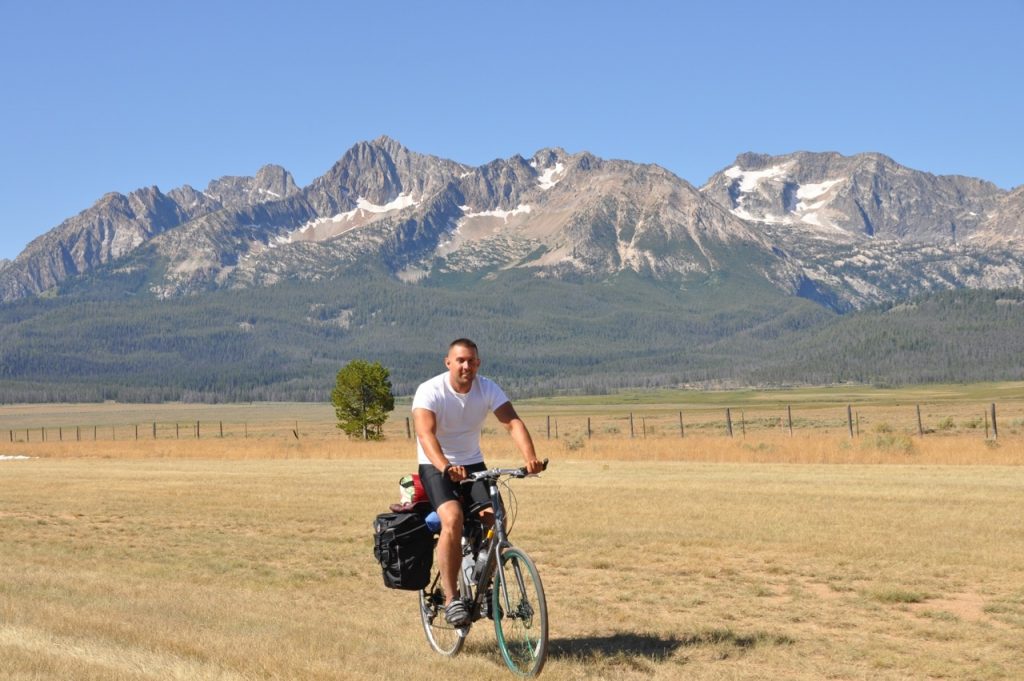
520 618
442 636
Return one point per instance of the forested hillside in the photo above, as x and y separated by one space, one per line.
101 340
949 336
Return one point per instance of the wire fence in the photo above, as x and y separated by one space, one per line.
990 421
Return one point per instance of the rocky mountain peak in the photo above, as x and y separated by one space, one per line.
499 185
1004 225
387 144
841 230
271 183
379 172
275 182
851 197
751 160
548 158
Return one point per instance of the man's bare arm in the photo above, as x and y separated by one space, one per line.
508 417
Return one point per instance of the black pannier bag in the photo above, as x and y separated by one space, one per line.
404 547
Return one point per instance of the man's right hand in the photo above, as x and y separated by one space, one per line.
457 473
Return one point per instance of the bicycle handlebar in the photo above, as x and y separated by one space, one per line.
494 473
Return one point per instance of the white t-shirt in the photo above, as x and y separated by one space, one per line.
459 417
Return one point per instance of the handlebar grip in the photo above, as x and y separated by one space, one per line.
544 467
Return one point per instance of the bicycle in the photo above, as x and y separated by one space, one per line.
508 590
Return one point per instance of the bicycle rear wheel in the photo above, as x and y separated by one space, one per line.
442 636
520 613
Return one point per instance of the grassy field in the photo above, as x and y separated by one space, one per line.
769 556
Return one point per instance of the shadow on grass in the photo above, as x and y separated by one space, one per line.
658 648
616 645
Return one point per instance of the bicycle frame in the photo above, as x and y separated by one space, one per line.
495 539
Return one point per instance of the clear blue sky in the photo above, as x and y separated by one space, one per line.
114 95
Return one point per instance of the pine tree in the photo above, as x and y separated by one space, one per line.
362 399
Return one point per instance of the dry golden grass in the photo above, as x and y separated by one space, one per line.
248 556
241 560
885 447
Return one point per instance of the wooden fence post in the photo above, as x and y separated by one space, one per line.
789 418
177 431
222 429
588 428
682 428
743 423
408 429
643 425
995 428
920 428
631 432
549 427
78 433
849 419
154 430
985 414
197 430
728 420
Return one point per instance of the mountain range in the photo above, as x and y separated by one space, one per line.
839 233
844 231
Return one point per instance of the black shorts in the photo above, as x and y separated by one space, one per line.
440 488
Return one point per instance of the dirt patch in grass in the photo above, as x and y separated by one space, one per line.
969 607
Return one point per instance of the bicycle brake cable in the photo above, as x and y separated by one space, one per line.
511 507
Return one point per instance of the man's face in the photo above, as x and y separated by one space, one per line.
462 363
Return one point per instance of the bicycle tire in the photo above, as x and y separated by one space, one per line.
442 636
520 613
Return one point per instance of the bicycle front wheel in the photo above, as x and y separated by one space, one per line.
520 613
442 636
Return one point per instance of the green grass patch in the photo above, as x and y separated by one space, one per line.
897 595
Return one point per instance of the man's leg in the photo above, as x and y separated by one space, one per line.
449 547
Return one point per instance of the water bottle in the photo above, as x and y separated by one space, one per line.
481 562
467 561
433 522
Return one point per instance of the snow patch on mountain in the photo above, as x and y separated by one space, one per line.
550 177
322 229
768 218
812 191
753 199
813 219
750 179
503 214
400 202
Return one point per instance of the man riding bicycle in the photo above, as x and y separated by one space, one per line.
448 411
